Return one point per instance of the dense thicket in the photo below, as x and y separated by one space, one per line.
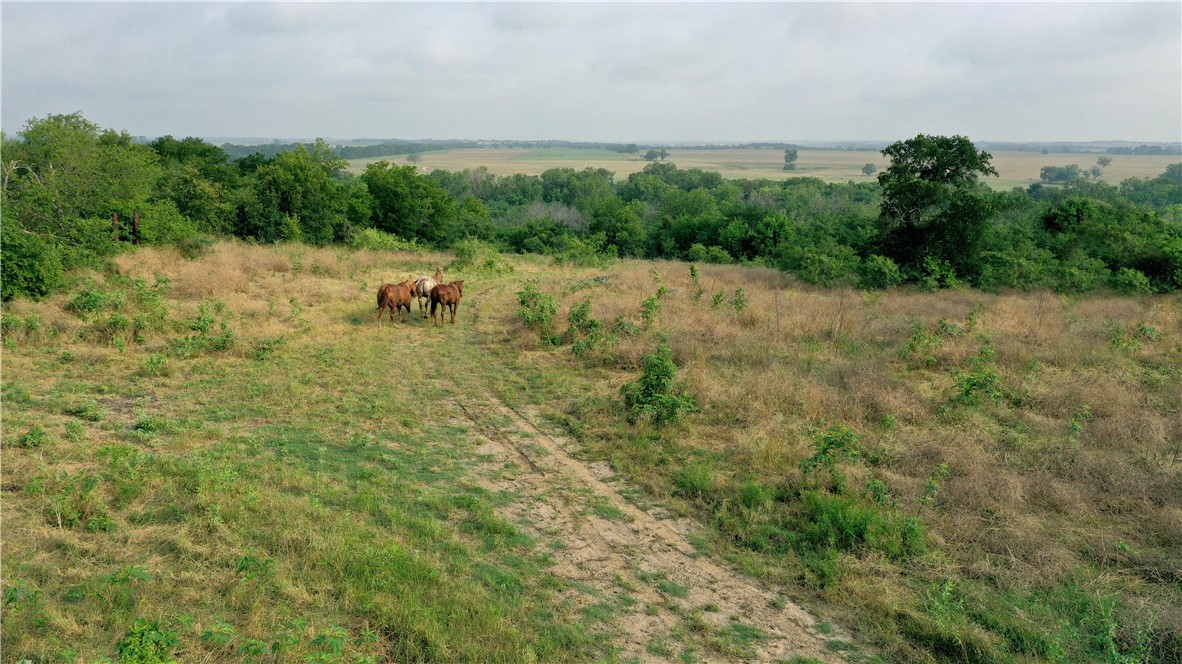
73 192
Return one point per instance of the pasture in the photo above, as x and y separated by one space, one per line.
228 456
1015 169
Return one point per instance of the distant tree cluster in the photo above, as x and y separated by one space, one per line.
70 189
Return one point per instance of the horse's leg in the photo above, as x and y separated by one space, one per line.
454 306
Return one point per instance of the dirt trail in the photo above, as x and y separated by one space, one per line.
605 542
666 597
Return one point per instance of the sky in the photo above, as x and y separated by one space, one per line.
616 72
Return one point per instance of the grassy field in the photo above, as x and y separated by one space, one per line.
1015 169
229 457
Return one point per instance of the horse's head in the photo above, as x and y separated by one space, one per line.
459 286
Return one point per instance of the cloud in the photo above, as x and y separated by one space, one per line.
601 71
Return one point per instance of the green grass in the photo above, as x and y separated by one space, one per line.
296 507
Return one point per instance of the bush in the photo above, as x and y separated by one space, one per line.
32 266
652 394
1080 274
702 254
473 254
538 310
879 272
1128 280
375 240
827 266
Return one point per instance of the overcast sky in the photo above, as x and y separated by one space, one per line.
601 72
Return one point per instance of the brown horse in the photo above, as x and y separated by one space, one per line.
395 296
423 286
447 295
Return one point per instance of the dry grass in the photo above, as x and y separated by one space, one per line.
1080 461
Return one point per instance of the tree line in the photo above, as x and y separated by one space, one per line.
72 191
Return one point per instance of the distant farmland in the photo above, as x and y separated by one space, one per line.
1015 169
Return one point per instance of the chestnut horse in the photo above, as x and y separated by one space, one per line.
423 286
447 295
395 296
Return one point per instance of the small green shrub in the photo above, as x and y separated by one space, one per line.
829 448
981 383
695 481
650 309
35 437
537 310
739 300
696 289
937 273
147 642
652 394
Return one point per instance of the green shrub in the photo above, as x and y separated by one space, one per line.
879 272
32 265
652 394
147 642
472 254
981 382
376 240
195 246
1128 280
702 254
1080 274
695 481
829 448
537 310
35 437
937 273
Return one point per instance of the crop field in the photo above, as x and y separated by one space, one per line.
1015 169
227 459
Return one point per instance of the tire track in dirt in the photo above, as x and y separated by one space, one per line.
669 596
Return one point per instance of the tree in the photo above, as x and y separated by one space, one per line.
1103 162
410 205
790 159
869 169
933 207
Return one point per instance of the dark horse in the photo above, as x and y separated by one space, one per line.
447 295
395 296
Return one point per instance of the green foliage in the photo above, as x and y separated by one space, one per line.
588 336
35 437
982 382
650 309
653 394
1129 280
933 207
538 310
474 255
829 448
696 289
147 642
703 254
376 240
879 272
410 205
739 300
32 265
211 332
